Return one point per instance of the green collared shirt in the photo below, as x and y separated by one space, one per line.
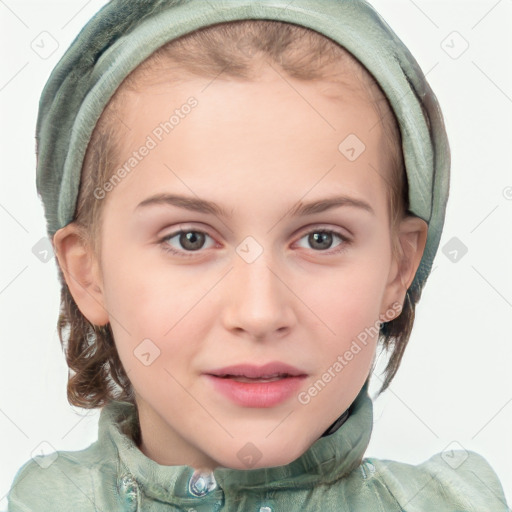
113 475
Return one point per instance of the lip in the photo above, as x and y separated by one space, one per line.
258 393
254 372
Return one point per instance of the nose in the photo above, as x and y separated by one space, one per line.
258 301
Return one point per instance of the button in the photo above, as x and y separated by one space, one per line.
201 483
129 488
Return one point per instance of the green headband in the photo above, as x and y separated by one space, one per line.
125 32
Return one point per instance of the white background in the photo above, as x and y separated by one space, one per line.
454 384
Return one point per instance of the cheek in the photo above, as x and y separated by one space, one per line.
154 311
349 296
142 296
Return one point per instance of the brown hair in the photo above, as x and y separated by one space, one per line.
96 374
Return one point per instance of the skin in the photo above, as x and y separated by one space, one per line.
256 149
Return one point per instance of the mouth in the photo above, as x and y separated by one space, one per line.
257 386
275 370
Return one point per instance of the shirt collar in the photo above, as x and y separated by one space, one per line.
328 459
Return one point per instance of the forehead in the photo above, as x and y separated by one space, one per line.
267 135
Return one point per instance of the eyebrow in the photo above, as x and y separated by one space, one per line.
196 204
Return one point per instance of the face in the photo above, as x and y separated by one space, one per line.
193 291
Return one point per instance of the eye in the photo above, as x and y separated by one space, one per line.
322 239
189 240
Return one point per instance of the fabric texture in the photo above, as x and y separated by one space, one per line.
125 32
113 475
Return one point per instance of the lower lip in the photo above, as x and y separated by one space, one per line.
257 394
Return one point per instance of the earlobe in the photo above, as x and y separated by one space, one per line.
82 273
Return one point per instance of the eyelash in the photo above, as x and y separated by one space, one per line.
188 254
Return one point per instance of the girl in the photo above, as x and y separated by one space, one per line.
245 198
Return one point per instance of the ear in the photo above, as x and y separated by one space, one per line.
412 237
82 273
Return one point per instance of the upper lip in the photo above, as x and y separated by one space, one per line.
272 369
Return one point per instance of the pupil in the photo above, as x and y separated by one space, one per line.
324 238
189 240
